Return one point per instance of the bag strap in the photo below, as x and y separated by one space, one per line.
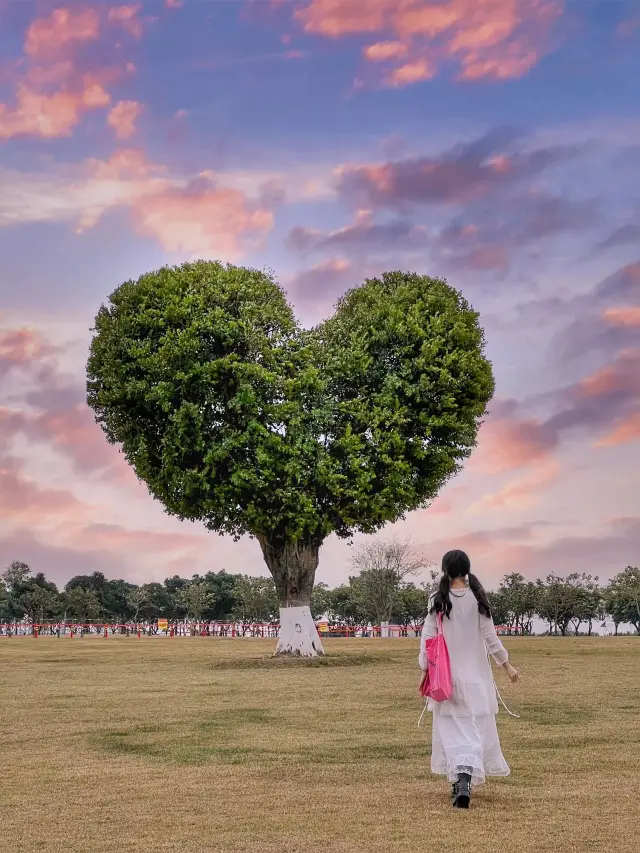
439 621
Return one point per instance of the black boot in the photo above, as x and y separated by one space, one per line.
462 791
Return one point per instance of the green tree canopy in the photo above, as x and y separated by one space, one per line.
235 416
622 597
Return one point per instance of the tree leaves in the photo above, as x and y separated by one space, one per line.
234 416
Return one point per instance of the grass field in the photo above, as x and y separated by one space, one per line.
197 745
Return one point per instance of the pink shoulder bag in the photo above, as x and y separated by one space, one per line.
438 684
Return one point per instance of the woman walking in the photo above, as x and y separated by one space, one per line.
465 745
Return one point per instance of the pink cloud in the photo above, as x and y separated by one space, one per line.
25 502
52 35
53 412
497 552
509 443
628 318
50 115
75 434
113 537
52 93
411 72
72 432
382 51
487 39
624 431
127 18
620 378
200 218
462 173
488 257
123 116
19 347
196 215
520 493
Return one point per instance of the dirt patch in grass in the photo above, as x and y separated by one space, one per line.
330 661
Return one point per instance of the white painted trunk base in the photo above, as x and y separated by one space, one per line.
298 634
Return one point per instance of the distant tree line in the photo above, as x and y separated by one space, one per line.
379 591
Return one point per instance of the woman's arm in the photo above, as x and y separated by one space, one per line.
492 641
495 647
429 629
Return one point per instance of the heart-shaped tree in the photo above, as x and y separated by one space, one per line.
234 416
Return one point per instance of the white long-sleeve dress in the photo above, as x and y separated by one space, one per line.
465 737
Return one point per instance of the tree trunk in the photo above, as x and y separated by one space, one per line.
293 568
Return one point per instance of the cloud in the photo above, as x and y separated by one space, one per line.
127 18
382 51
522 492
24 502
482 258
122 118
625 431
607 551
52 91
627 318
49 115
485 235
464 173
53 35
317 289
485 39
625 235
599 321
363 235
604 405
200 218
22 347
623 284
509 443
602 400
59 562
193 215
77 546
411 72
114 537
481 238
52 411
493 553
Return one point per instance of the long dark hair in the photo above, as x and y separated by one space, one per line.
456 564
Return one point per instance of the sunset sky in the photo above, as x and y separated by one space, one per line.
493 142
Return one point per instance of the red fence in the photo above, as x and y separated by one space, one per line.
181 629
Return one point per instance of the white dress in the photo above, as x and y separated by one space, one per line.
465 737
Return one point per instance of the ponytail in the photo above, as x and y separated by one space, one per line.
480 595
442 599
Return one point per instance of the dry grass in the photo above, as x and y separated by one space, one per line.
197 745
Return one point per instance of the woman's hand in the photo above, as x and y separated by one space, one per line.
512 672
421 685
